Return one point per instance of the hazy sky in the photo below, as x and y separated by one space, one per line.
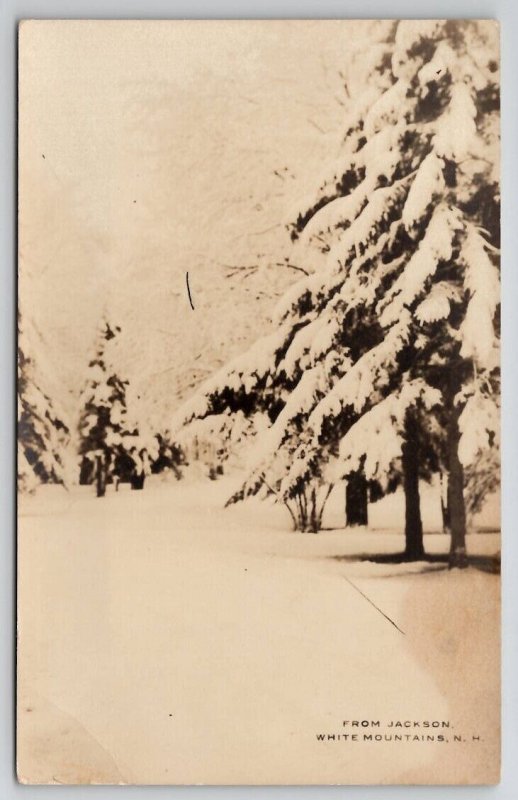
149 149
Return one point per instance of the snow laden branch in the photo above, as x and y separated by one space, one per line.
375 441
242 375
43 428
364 378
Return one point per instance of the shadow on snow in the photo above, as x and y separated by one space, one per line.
484 563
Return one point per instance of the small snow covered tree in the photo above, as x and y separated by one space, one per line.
169 456
43 434
104 432
117 442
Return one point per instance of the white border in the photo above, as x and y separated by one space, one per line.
506 11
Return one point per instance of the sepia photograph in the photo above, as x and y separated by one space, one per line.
258 402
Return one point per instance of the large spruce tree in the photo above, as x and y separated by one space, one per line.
434 284
384 363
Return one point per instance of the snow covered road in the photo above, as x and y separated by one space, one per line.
162 636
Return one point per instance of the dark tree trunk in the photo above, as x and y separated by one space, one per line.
313 512
414 547
100 476
445 509
356 500
446 521
137 481
456 506
302 517
86 473
328 491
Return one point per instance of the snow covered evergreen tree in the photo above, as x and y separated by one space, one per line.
385 359
106 435
117 442
433 283
169 456
43 434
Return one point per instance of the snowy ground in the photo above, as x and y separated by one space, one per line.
165 640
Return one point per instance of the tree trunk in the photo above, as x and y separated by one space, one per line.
100 476
445 510
456 506
328 491
414 548
302 517
356 500
313 512
86 472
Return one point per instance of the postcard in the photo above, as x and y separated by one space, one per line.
259 402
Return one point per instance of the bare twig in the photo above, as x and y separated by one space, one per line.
285 502
291 266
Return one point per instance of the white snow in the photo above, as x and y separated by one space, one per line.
428 182
456 129
173 641
435 246
436 304
483 282
479 424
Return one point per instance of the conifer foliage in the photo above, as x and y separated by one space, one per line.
105 432
384 359
43 434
